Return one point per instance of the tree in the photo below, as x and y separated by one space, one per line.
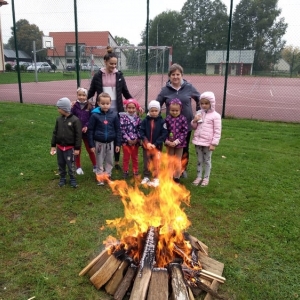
121 41
291 55
204 28
256 26
26 34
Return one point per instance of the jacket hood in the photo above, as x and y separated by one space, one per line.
210 96
103 70
168 84
96 110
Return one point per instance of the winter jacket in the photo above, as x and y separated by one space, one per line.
184 94
179 128
104 127
82 114
67 132
121 88
130 128
209 131
154 131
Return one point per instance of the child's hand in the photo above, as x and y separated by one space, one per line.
84 129
76 152
53 151
93 149
197 118
212 148
117 149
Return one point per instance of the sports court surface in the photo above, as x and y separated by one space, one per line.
263 98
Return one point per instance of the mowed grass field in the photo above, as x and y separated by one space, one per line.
248 216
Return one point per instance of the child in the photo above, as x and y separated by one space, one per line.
207 135
82 110
66 141
130 130
153 133
177 127
103 135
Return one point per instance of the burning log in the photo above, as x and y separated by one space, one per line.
141 282
159 287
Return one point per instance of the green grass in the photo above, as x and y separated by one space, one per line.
248 216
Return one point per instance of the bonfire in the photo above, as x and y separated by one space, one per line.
154 257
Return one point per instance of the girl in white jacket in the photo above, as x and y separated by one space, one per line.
207 124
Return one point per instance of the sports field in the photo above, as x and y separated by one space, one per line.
263 98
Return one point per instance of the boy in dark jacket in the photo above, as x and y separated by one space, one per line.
153 134
103 135
66 141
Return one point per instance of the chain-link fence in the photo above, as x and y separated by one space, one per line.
257 80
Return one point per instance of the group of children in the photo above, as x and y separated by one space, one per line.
104 131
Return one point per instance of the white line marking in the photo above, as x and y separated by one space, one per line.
271 93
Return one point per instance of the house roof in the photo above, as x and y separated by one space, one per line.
89 38
11 54
235 56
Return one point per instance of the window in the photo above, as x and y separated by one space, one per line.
69 61
70 48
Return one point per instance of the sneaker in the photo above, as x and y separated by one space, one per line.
154 182
62 182
125 175
145 180
100 183
79 171
184 174
117 167
197 181
205 182
136 174
95 170
73 183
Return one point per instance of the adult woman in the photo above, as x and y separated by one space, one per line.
179 88
111 81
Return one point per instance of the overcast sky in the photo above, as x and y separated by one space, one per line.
120 17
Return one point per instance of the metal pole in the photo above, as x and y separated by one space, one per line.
156 45
147 46
34 61
76 44
17 51
227 58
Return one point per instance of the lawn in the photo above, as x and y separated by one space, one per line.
248 216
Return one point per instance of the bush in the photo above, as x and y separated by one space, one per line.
8 67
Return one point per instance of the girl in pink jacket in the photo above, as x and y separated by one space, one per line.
207 124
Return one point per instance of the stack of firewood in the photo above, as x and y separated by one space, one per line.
120 275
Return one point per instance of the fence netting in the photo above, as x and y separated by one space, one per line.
259 79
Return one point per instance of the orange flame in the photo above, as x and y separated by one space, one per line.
158 207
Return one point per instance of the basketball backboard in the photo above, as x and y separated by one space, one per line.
47 42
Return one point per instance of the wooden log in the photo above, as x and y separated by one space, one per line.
210 264
179 290
209 275
158 287
116 279
191 296
105 272
126 282
214 286
141 282
98 264
196 243
102 256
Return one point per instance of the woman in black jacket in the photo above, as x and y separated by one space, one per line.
111 81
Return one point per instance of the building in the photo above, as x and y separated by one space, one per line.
92 47
10 56
2 62
240 62
282 66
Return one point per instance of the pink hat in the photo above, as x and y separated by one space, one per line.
126 102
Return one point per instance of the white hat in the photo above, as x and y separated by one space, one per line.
155 104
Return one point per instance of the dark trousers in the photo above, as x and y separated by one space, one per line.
65 159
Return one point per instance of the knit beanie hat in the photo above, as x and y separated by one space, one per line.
131 100
154 104
64 104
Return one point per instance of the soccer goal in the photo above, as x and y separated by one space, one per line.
134 62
